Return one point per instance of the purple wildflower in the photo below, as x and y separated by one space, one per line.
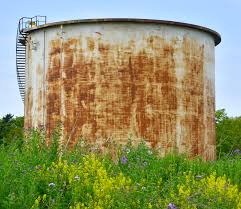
145 163
74 161
39 167
123 159
171 206
237 151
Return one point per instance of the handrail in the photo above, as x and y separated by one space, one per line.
24 23
30 22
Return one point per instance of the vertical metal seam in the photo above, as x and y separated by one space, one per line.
62 106
44 82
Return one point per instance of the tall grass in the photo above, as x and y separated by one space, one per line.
33 176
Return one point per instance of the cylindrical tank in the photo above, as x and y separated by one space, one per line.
114 78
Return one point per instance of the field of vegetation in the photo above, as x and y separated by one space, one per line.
35 176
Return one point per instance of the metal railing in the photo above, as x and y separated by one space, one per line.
21 40
31 22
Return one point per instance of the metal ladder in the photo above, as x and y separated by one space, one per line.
21 40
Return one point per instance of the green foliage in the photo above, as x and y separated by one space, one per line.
11 129
228 134
35 177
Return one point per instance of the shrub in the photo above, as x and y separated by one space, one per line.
228 132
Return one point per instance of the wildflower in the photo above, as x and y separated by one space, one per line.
51 184
39 167
44 197
145 163
37 202
171 206
198 177
149 205
82 143
128 150
149 152
76 178
74 161
237 151
124 160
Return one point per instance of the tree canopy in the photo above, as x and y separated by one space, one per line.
11 129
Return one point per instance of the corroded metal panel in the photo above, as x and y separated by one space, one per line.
112 80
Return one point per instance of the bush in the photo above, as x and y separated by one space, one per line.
228 132
11 130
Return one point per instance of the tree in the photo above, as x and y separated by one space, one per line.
11 129
228 132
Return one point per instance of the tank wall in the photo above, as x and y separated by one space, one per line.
112 80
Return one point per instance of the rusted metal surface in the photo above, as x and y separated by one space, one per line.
112 80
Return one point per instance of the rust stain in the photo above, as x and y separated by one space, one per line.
29 92
90 43
112 91
53 88
28 112
193 97
39 96
210 146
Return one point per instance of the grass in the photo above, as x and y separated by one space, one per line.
33 176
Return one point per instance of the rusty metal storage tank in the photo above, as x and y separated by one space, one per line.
111 78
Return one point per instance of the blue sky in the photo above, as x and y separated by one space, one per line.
221 15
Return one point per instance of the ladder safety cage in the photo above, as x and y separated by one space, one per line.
24 24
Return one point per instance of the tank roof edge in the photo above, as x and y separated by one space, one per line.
215 35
